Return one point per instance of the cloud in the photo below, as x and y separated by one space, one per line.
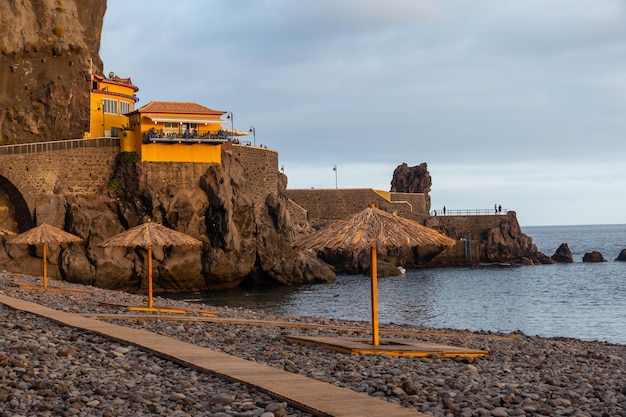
499 85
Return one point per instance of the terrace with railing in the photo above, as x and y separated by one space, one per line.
193 136
470 212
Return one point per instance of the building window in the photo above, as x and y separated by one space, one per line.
170 128
110 106
124 107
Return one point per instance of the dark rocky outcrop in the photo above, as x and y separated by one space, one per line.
46 50
593 256
563 254
243 244
622 256
494 239
414 179
507 242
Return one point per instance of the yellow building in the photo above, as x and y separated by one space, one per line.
110 100
175 132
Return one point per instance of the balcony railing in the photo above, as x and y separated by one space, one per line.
469 212
154 136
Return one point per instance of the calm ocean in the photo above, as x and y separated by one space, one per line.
582 300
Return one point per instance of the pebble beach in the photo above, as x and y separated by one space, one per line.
50 370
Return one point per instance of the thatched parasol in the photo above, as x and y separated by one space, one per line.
370 229
147 235
44 234
6 233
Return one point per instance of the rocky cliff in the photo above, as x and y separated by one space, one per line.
243 244
46 49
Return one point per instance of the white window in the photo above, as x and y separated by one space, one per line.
110 106
124 107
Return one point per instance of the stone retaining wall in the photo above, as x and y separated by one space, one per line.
477 226
75 167
181 174
323 205
84 167
261 166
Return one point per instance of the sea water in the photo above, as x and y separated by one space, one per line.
581 300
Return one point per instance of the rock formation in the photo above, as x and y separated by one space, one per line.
243 244
49 48
46 49
563 254
494 239
593 256
622 256
412 180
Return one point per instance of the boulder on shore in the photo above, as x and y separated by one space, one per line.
593 256
563 254
385 269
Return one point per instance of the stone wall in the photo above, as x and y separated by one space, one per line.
79 167
417 201
323 205
261 165
84 167
181 174
458 226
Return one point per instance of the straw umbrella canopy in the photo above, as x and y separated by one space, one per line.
6 233
373 229
147 235
44 235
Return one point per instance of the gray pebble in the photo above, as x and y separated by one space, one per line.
94 376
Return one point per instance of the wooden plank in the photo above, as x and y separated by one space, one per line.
313 396
52 289
300 325
391 347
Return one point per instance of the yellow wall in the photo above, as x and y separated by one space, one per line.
96 127
170 152
181 152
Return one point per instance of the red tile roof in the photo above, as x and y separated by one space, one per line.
178 108
126 82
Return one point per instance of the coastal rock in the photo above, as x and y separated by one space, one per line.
563 254
492 239
507 242
241 242
414 179
593 256
622 256
385 269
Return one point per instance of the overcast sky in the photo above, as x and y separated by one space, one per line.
515 102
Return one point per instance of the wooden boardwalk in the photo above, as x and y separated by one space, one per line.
310 395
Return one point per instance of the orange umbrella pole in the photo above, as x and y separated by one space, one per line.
374 298
45 265
150 276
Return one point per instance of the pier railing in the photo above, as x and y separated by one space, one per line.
59 145
469 212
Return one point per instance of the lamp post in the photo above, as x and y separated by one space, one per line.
253 131
232 122
335 169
